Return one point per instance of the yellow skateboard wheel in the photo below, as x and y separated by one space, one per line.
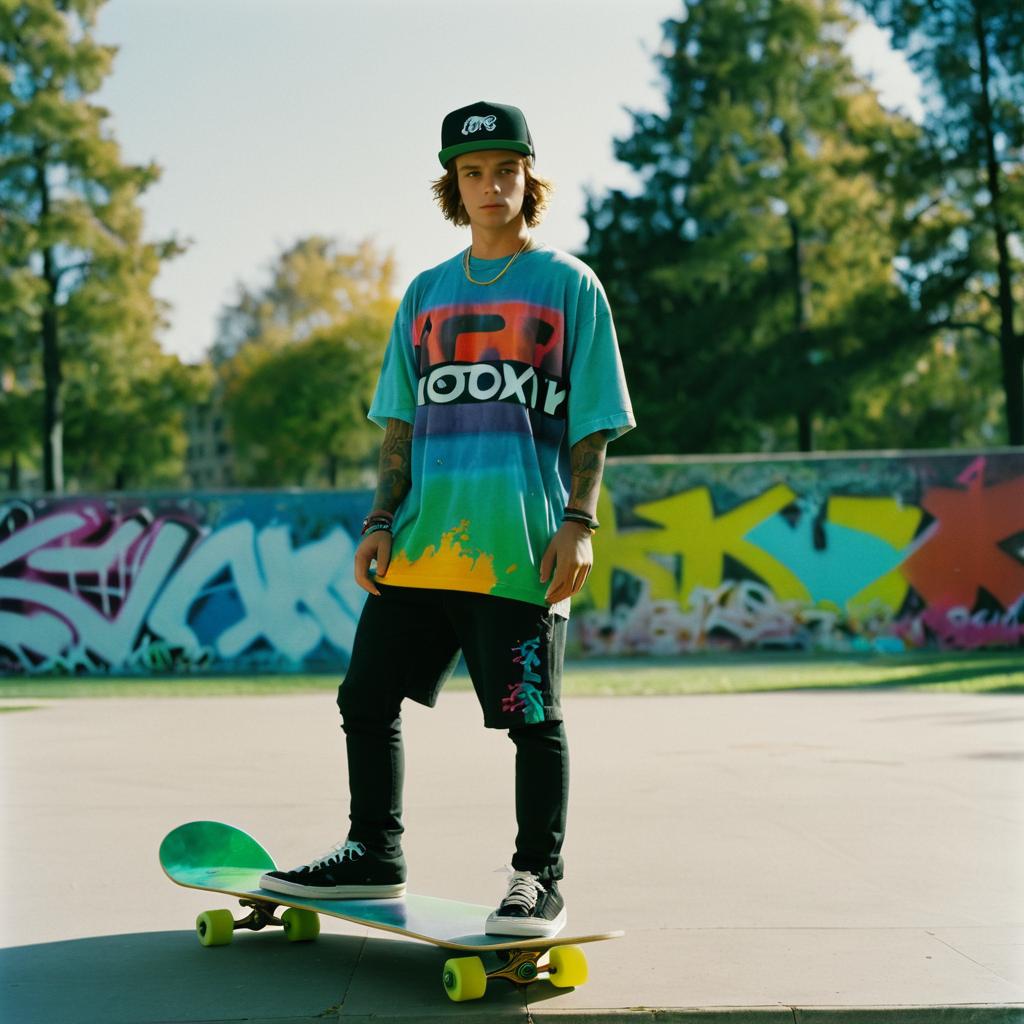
215 927
465 978
300 925
568 967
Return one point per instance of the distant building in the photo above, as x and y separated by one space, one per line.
210 459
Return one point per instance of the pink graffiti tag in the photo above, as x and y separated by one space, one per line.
85 578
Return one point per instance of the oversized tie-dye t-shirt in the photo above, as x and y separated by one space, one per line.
499 382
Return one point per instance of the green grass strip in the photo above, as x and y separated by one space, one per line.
948 672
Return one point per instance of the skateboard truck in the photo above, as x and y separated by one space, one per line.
262 914
467 977
215 927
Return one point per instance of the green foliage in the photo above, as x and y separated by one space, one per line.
299 413
315 283
774 261
970 54
125 415
298 362
76 281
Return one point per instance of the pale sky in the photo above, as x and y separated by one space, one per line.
277 119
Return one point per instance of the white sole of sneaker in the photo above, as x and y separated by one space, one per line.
339 892
525 927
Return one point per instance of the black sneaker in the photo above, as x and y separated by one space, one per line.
530 908
347 871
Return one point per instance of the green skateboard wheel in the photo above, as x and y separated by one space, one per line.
215 927
300 925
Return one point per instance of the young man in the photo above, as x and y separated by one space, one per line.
500 388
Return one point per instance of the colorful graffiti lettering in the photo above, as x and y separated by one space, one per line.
527 698
830 553
962 552
779 554
90 586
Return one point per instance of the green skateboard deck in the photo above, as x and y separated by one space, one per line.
215 857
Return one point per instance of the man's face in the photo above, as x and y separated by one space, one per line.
492 183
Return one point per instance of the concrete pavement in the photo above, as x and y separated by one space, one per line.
816 856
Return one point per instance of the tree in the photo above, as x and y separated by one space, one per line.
299 414
20 408
297 362
315 283
79 272
971 54
753 274
945 396
125 413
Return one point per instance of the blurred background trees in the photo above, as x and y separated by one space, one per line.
79 319
797 267
970 55
297 362
800 267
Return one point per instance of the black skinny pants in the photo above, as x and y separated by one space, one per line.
376 770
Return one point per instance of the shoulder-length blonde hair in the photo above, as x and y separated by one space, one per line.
446 195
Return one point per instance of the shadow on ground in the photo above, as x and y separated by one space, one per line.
167 976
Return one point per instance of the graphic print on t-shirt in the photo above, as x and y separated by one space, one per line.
483 368
480 353
453 558
483 375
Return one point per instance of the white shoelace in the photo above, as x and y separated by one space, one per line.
523 891
336 854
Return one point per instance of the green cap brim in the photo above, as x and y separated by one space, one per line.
471 147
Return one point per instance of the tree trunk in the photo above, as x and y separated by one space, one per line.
53 397
53 383
805 431
804 413
804 428
1011 345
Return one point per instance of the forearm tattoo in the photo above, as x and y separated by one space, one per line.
394 472
587 470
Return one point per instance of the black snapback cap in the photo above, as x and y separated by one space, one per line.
484 125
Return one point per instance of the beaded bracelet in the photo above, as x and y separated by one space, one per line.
379 516
370 524
376 528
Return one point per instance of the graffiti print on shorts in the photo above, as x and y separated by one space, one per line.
524 694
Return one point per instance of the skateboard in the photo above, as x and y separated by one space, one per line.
215 857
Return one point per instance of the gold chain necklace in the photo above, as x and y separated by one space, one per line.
501 273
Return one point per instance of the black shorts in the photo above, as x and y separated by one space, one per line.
408 642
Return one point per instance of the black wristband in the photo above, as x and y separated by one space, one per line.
580 517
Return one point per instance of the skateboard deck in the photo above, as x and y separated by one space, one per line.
215 857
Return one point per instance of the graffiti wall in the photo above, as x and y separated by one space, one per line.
882 553
828 553
258 582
